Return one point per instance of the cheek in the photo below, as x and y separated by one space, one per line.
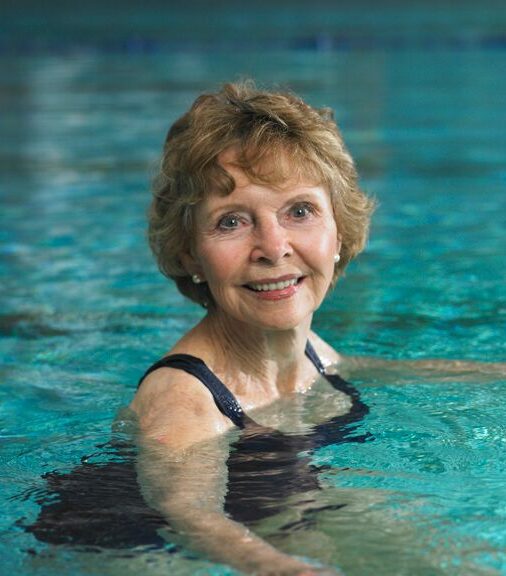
218 262
323 247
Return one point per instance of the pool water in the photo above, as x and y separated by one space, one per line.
418 92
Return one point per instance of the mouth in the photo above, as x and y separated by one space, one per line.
273 285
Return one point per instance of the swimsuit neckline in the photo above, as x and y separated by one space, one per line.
225 400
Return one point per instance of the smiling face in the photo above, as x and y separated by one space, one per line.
267 254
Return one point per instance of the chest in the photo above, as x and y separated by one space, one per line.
299 412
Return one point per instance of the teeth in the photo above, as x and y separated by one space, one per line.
273 285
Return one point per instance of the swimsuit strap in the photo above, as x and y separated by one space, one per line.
336 380
342 429
224 399
315 359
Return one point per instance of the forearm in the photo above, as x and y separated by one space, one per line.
188 489
229 542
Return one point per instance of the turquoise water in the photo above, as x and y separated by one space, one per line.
418 93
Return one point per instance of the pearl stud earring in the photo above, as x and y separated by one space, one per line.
337 257
196 279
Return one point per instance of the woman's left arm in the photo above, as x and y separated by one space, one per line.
435 369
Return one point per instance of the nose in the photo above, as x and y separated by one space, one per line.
271 242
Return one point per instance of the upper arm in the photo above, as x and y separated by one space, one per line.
176 409
180 483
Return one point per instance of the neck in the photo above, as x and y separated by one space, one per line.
275 358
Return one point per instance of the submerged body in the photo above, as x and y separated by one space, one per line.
101 505
265 465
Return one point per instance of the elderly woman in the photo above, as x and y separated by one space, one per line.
256 213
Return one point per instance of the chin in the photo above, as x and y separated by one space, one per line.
281 323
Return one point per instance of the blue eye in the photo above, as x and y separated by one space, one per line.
301 210
229 222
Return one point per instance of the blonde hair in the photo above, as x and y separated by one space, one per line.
277 137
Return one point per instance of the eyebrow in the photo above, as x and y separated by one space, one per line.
236 206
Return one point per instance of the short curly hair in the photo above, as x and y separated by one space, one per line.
277 137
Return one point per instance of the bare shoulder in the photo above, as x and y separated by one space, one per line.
327 354
176 409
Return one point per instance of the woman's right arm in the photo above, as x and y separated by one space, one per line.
189 492
183 475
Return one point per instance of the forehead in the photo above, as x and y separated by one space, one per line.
276 169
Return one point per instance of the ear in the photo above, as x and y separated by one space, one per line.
190 264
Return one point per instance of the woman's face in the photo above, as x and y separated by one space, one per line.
267 254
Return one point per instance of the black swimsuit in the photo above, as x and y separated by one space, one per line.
100 504
265 466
